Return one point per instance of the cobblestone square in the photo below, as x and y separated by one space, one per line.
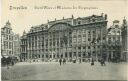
69 71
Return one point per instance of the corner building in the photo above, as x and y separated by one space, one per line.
114 42
70 38
124 54
9 42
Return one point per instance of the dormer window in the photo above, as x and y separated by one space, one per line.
116 26
79 22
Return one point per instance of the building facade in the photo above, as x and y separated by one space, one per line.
70 38
114 42
124 40
16 46
23 47
9 42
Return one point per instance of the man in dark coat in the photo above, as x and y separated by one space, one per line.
102 62
92 63
60 60
64 61
79 61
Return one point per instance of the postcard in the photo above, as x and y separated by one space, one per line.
64 40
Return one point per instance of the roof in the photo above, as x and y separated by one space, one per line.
85 20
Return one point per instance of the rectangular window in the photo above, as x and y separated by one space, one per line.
74 40
79 54
84 54
70 54
74 54
79 48
53 43
84 31
74 31
84 35
74 36
94 32
114 38
66 54
89 32
89 39
42 56
79 22
79 36
84 47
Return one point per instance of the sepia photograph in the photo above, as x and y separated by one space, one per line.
64 40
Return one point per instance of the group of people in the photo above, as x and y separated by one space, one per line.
8 62
62 61
102 62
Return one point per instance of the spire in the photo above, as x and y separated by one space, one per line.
124 21
72 17
106 16
8 25
124 17
102 14
24 33
48 21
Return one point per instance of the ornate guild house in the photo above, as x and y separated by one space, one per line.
70 38
114 41
10 46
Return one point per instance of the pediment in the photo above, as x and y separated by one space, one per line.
60 26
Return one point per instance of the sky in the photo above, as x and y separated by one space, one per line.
23 19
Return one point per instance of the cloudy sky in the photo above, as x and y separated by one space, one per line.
23 19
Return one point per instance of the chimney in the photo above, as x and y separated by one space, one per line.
63 17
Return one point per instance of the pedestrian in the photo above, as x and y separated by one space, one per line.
12 63
64 61
60 60
99 60
79 61
104 62
92 63
7 62
89 59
